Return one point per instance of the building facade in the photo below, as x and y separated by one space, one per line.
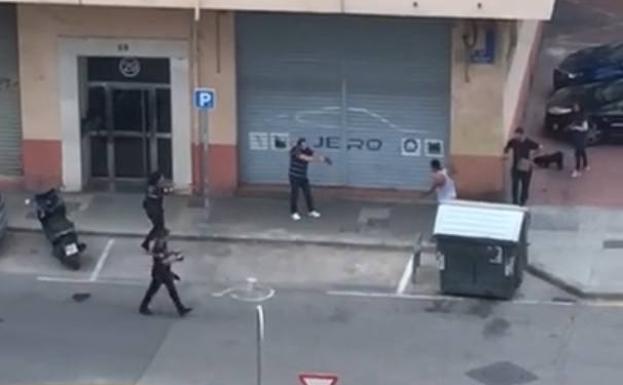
104 91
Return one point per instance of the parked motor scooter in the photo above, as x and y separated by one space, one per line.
60 231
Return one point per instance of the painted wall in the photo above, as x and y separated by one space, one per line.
485 108
520 72
481 106
481 9
477 134
218 57
40 27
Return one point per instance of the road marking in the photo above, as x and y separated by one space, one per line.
44 278
62 279
441 297
368 294
102 260
404 280
222 293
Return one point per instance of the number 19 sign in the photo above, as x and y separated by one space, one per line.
205 98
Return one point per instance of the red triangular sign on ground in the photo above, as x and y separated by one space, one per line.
317 379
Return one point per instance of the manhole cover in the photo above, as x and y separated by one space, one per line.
613 244
81 297
502 373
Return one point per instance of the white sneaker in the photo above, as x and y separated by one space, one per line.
575 174
314 214
587 169
296 217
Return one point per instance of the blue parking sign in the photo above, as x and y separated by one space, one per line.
205 98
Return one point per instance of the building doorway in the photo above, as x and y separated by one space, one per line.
127 129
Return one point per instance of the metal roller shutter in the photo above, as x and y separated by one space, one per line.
10 127
372 93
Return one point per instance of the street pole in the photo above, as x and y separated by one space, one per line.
260 337
196 53
205 195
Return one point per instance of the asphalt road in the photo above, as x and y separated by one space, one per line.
216 264
49 337
334 310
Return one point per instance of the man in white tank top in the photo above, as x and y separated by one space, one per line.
443 185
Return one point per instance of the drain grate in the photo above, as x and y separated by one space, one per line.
502 373
374 217
564 300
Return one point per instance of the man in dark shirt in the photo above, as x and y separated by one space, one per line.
161 274
521 170
300 157
153 206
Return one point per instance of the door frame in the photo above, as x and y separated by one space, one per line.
71 49
152 136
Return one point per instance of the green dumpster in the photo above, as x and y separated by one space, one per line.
481 248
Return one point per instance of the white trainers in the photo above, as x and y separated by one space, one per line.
575 174
314 214
296 217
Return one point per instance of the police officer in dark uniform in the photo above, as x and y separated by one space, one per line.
161 274
153 205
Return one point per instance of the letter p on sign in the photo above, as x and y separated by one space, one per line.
205 98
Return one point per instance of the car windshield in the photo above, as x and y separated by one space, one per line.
610 93
570 95
612 109
590 96
595 56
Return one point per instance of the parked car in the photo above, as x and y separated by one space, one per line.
602 102
4 219
588 65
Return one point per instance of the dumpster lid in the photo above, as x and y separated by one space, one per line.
480 220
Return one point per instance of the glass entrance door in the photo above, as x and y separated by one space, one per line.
129 130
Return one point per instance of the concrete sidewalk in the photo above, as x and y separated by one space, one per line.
343 223
579 249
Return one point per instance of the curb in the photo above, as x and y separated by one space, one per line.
397 246
572 288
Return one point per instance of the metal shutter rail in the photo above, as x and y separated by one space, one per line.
10 121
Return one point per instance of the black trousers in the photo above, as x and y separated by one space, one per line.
581 159
157 221
297 184
154 286
520 186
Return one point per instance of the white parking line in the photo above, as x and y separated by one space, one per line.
62 279
440 297
406 274
102 260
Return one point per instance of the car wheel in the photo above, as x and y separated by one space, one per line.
595 135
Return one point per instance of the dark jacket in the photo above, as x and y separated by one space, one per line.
153 201
161 268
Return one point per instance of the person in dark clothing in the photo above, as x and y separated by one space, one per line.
300 157
521 170
153 205
579 133
161 274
